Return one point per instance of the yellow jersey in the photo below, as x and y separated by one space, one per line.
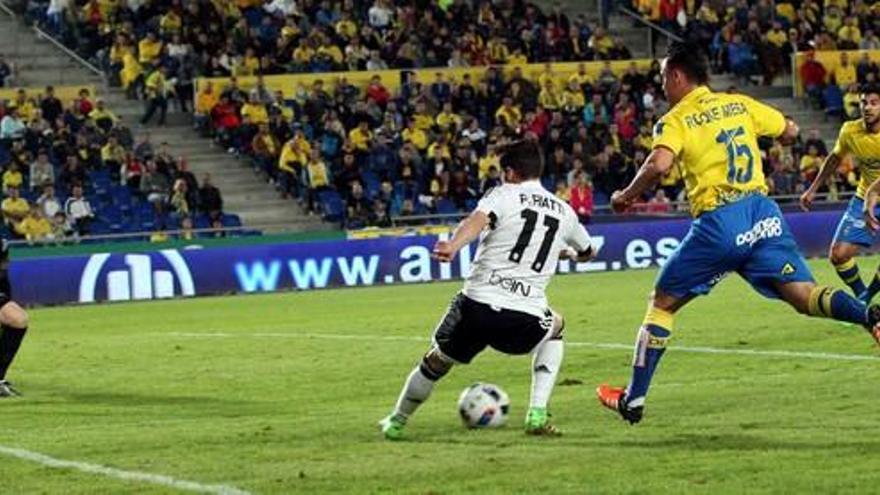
317 174
864 146
256 112
714 136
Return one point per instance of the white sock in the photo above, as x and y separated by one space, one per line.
545 368
415 391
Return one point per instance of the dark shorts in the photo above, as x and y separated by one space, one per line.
470 326
5 289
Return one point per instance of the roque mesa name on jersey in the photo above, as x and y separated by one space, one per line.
714 114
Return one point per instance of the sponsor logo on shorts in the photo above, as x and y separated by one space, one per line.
763 229
788 269
510 284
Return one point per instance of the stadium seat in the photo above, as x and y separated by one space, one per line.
446 207
832 100
371 183
333 207
230 220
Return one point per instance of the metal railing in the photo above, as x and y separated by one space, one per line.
42 34
677 209
67 51
132 236
653 28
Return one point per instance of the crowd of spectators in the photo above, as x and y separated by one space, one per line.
429 147
132 39
754 38
70 169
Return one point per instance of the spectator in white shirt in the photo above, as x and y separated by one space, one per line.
11 127
79 211
42 172
380 15
48 203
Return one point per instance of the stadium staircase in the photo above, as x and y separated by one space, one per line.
40 63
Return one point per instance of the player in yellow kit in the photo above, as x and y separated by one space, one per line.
713 137
860 139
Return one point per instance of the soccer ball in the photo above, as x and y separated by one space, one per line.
483 405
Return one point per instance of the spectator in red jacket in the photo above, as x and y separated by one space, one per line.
225 118
813 77
378 92
582 197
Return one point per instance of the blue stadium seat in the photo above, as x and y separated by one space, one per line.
333 207
446 206
832 100
231 220
201 221
371 183
600 198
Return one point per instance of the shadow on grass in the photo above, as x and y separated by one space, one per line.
135 398
738 442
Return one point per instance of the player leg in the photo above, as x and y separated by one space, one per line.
546 362
776 269
827 302
14 323
842 256
874 285
696 266
851 234
453 342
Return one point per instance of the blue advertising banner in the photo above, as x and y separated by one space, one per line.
315 265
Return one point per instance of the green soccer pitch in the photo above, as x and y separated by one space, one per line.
281 394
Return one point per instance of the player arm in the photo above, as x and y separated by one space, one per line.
828 167
790 134
466 232
570 253
580 245
658 163
871 196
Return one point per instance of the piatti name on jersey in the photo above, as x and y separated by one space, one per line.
714 114
540 201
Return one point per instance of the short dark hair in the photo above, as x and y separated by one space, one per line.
869 89
689 58
524 157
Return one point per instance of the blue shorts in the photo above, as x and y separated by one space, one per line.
852 227
749 237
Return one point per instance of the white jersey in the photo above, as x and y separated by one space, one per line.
518 254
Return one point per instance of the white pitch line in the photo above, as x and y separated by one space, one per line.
596 345
156 479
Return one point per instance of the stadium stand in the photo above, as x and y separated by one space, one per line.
416 141
40 62
72 169
756 38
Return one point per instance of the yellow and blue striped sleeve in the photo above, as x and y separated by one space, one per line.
669 133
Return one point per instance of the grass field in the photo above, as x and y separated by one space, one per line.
281 394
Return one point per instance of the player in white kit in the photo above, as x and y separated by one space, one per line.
524 230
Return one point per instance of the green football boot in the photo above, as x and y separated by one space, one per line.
392 427
538 423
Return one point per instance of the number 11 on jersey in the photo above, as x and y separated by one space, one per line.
525 237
